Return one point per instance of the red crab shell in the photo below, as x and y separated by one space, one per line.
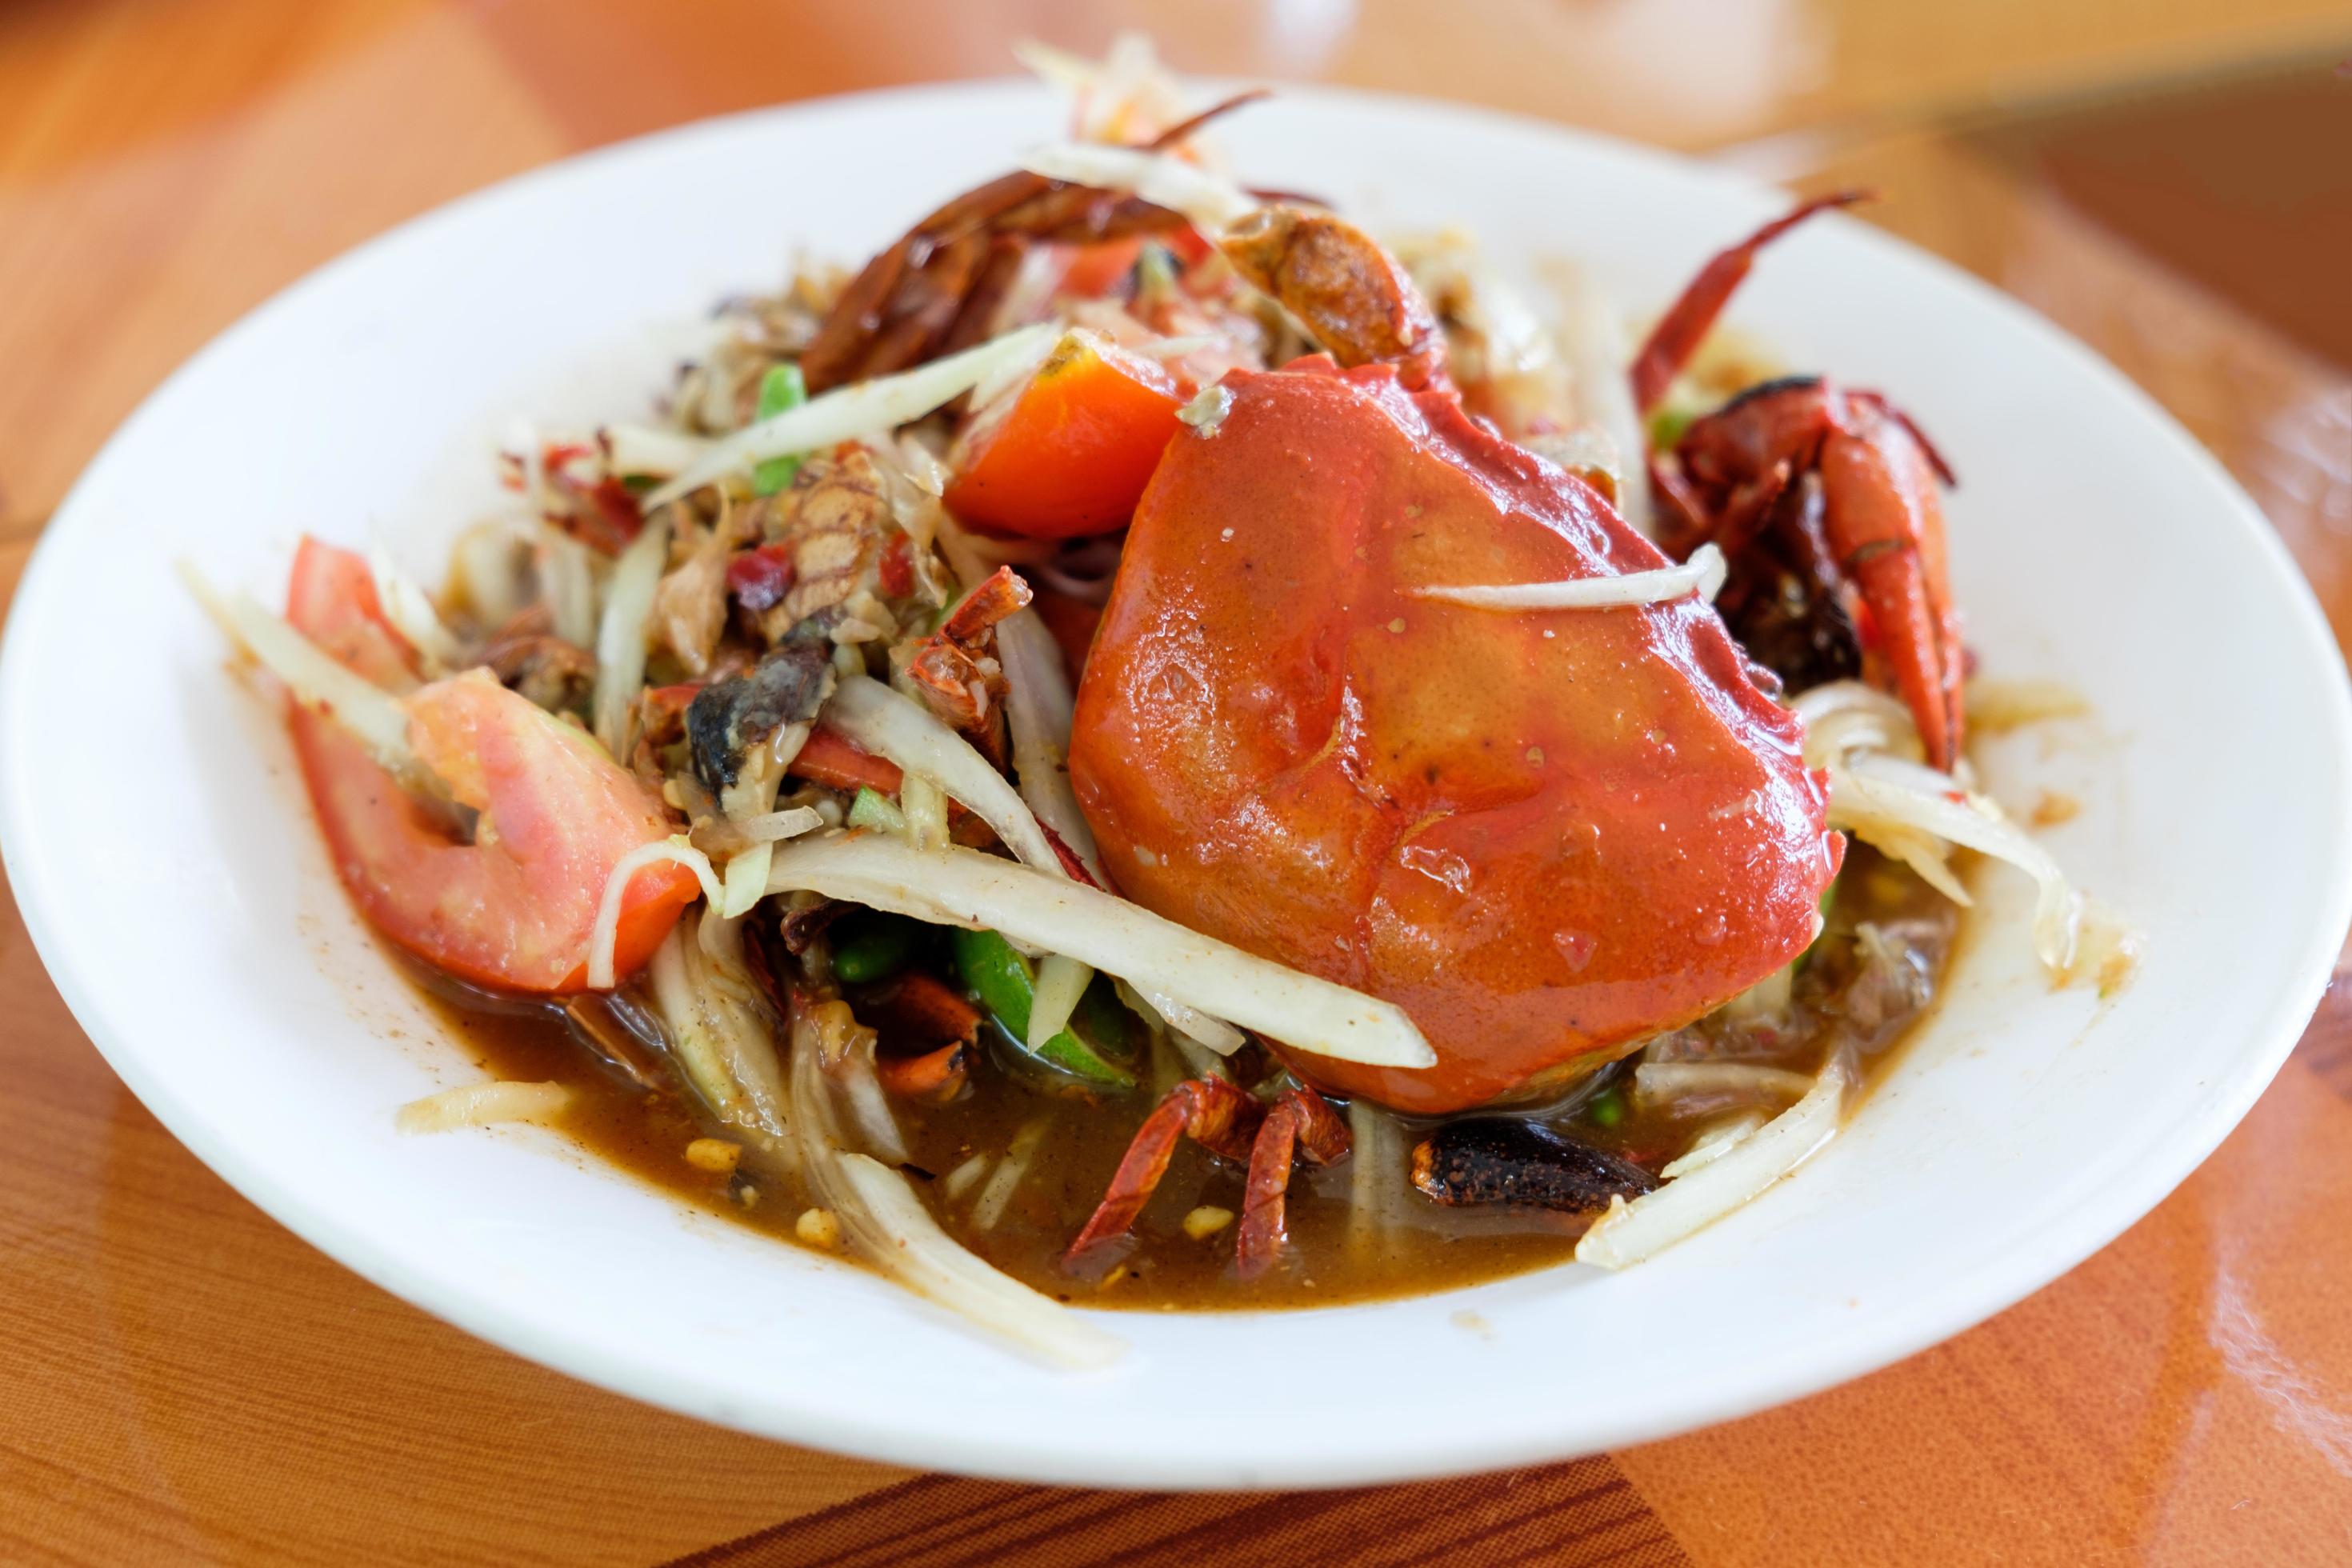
1545 835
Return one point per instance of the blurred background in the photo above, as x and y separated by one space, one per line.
2169 180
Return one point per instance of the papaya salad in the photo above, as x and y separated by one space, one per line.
1146 748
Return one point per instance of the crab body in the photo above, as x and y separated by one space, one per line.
1546 835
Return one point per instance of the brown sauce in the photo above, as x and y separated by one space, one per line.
640 1122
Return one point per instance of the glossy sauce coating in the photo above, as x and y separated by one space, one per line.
1546 835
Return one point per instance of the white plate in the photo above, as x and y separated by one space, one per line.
160 847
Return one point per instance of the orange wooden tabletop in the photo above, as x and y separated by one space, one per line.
186 1382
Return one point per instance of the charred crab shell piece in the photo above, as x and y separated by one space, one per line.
1505 1161
729 718
1545 835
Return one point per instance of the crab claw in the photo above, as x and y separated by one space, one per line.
1885 525
1301 1122
1688 319
1212 1111
1350 293
1229 1121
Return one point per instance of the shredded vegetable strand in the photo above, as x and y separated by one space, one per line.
1630 1232
888 1225
751 797
892 1227
1378 1170
867 408
722 1044
981 892
1843 716
1211 1034
1005 1180
1213 203
960 1180
1663 1082
1702 575
489 570
895 726
925 807
620 635
770 826
480 1105
606 935
410 610
1038 708
1060 983
319 681
644 451
1004 374
745 882
570 585
1713 1144
1867 743
863 1089
1195 1030
1591 339
1884 791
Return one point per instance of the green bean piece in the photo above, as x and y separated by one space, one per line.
872 809
1608 1108
1828 903
1666 428
783 387
996 973
1155 269
873 946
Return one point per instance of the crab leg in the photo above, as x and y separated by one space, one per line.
911 296
1212 1111
1183 132
937 287
1302 1122
1886 526
1676 336
1880 518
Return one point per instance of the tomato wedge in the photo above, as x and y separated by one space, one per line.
513 910
1068 452
1094 271
828 759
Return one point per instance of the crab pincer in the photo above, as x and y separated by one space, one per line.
1355 296
1300 1122
1874 481
1691 316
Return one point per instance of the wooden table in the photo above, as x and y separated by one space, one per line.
2168 179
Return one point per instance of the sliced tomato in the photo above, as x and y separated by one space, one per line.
1191 245
331 600
1069 451
1094 271
827 758
514 909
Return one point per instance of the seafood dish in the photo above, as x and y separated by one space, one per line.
1149 748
